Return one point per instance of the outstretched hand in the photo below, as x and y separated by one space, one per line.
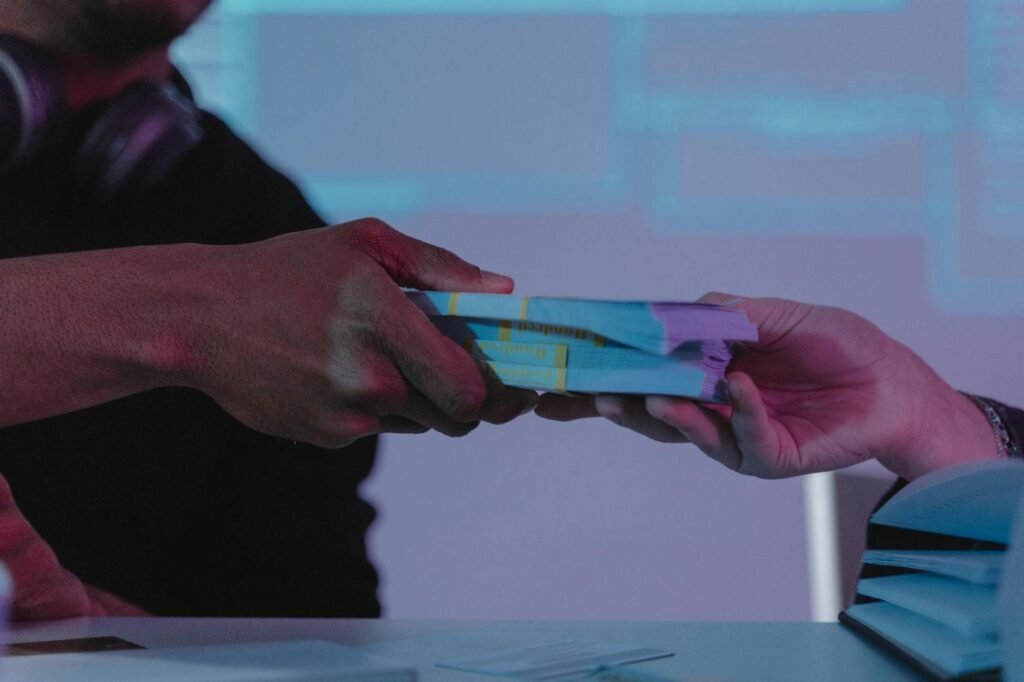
822 389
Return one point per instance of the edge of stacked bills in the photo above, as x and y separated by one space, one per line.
570 345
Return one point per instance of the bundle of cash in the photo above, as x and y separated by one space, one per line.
589 346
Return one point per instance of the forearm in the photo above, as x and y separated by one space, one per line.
81 329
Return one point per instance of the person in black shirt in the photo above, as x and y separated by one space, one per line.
176 371
821 389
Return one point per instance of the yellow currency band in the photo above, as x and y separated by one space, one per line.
561 358
453 304
523 303
505 330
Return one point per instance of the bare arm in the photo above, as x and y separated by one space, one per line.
81 329
306 336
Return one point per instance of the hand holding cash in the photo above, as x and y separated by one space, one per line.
821 389
309 336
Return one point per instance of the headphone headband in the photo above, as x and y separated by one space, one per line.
134 141
31 101
140 136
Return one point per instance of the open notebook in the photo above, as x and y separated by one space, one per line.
941 609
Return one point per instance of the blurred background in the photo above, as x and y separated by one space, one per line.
862 153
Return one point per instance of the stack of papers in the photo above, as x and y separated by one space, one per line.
570 345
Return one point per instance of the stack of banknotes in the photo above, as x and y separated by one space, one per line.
569 345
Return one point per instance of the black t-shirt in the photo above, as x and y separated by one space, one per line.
162 497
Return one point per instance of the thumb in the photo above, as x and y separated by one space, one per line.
417 264
773 317
755 308
757 442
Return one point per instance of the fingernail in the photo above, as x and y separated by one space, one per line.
655 407
609 407
497 277
724 392
734 393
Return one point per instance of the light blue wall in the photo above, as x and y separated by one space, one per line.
866 153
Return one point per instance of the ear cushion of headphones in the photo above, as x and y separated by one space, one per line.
136 140
32 107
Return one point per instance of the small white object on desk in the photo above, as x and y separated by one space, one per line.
275 661
554 659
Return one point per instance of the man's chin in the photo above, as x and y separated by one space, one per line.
116 29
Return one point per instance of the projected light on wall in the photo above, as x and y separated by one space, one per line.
833 117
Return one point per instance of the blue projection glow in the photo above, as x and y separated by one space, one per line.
628 7
832 117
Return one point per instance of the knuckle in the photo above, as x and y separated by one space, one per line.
373 234
370 382
372 226
467 403
385 245
380 390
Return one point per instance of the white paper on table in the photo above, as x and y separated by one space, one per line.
555 659
277 661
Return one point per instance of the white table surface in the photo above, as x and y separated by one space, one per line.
705 652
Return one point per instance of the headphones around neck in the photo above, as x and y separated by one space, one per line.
134 140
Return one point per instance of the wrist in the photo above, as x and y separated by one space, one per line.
1008 445
953 430
176 294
